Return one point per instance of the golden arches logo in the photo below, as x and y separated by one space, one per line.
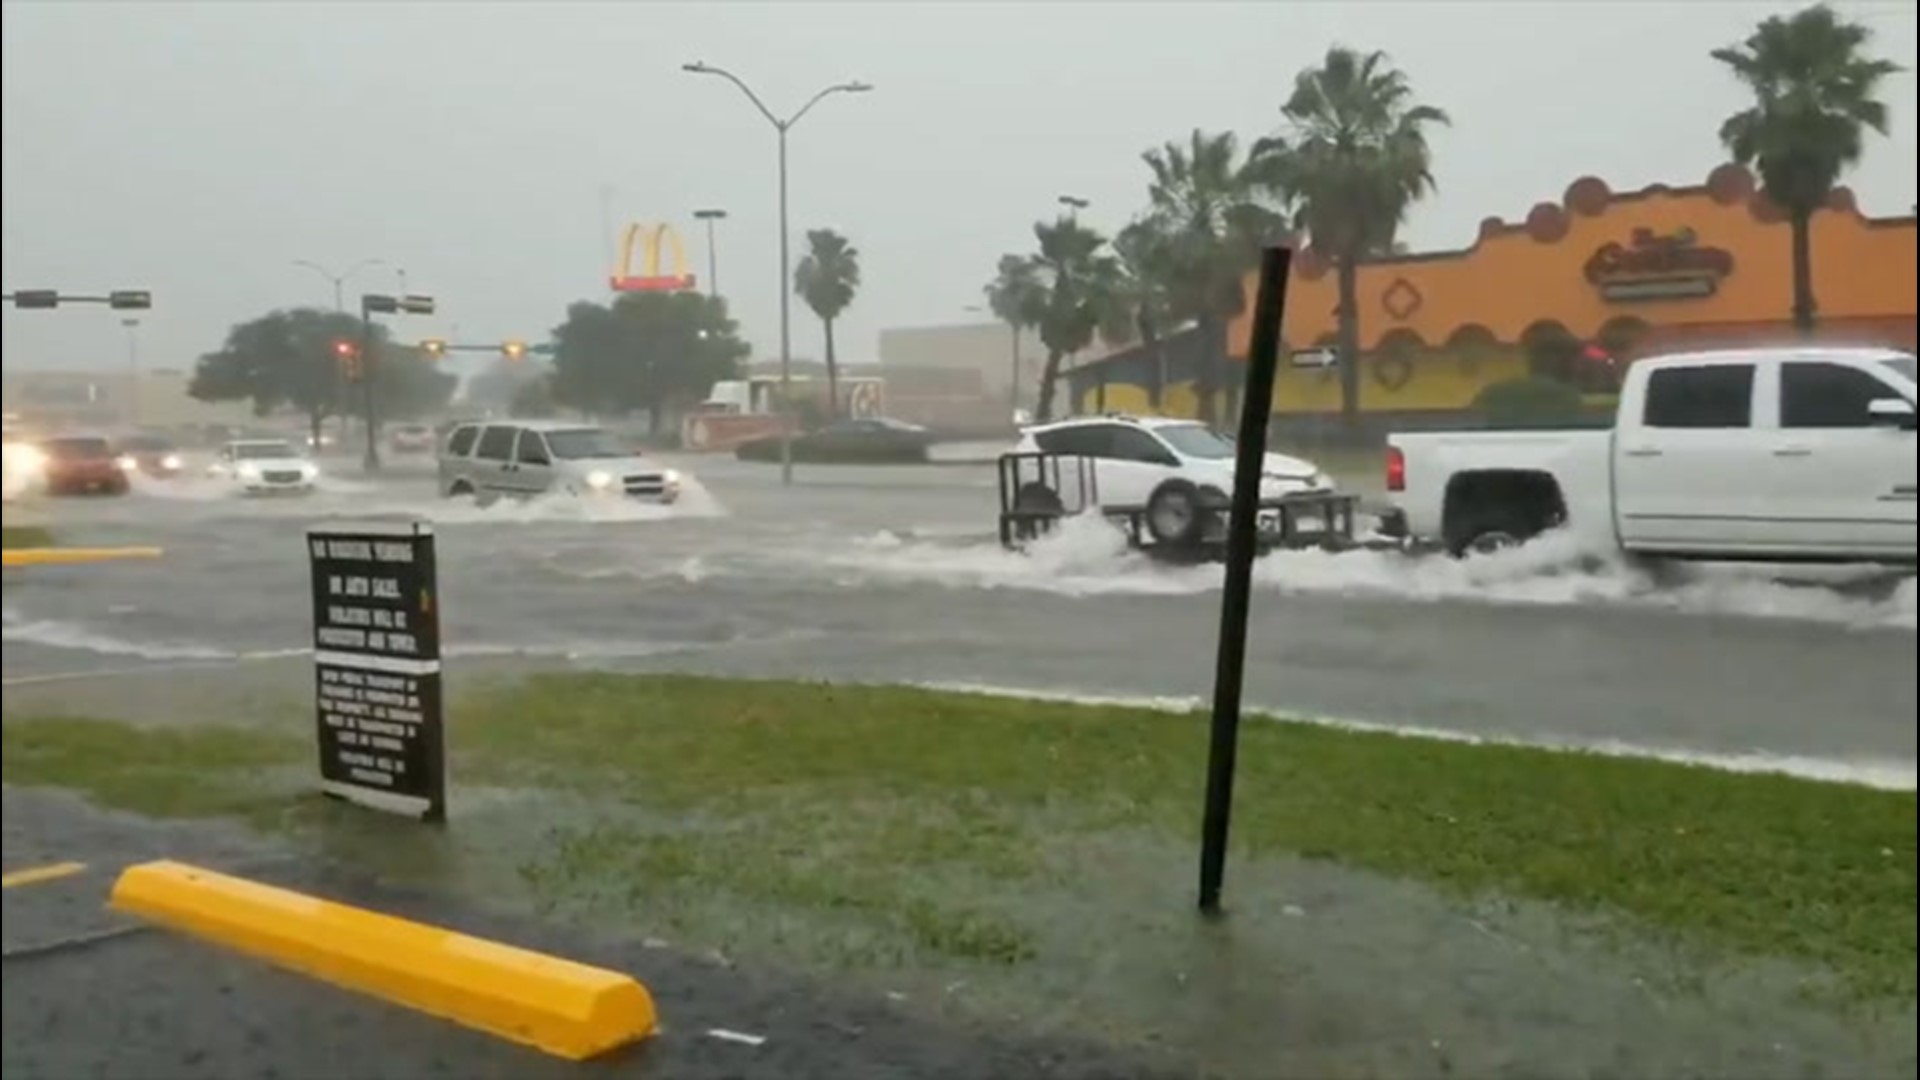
649 240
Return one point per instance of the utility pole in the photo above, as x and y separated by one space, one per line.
133 370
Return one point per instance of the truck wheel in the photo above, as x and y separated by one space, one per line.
1487 533
1174 514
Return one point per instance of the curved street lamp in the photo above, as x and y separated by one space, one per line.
340 280
782 126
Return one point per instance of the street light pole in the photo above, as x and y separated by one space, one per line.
339 281
713 252
781 127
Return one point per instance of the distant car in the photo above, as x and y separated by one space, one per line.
411 438
524 458
264 467
873 440
82 465
153 455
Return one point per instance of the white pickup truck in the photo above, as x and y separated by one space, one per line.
1772 455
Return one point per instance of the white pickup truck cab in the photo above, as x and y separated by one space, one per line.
1777 454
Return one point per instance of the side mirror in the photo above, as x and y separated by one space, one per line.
1891 412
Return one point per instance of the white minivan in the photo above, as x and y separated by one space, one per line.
523 458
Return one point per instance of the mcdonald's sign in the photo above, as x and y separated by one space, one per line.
649 239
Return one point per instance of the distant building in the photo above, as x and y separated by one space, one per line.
112 400
1007 366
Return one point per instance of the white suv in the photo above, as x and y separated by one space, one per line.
1133 456
524 458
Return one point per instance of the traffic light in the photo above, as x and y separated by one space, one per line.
130 300
513 350
434 348
348 355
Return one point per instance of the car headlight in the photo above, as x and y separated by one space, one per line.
599 480
309 471
670 478
248 471
23 459
171 461
127 462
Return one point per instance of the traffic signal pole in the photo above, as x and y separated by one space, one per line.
372 304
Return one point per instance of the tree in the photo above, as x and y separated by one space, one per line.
1353 160
494 387
827 279
1814 101
290 359
1209 214
1074 284
1014 298
1142 308
646 350
533 399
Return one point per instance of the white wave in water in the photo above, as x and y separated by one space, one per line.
337 496
1887 774
1086 556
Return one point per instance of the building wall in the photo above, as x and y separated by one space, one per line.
986 348
1627 272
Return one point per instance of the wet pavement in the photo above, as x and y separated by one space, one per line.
90 993
891 574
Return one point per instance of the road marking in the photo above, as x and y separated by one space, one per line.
724 1035
34 875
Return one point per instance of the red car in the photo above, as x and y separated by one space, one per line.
82 465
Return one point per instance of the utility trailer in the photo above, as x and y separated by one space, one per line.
1180 522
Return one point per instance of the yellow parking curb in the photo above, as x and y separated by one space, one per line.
567 1009
60 556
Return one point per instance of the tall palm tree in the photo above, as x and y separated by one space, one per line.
1212 214
1813 91
1142 307
1012 297
827 279
1075 281
1354 157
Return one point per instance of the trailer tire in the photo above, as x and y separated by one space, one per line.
1175 518
1035 497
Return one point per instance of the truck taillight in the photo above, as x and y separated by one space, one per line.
1396 469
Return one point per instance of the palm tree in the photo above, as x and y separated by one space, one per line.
1814 101
1354 158
1142 307
1012 296
1075 280
1210 214
827 279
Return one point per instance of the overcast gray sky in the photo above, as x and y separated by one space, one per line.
196 149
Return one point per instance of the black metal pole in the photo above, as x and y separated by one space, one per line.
372 459
1263 358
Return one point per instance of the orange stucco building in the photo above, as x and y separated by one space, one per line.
1597 274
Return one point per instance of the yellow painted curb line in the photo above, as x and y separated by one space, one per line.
63 556
34 875
567 1009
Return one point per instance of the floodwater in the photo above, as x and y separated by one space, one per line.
892 574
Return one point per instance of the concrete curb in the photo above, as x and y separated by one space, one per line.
68 556
566 1009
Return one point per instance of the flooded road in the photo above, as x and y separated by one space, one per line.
891 574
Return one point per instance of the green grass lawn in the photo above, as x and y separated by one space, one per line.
907 807
24 536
